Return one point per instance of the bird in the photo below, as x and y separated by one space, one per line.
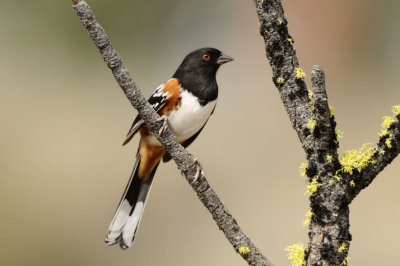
185 103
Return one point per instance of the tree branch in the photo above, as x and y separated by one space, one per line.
184 160
331 188
388 149
310 116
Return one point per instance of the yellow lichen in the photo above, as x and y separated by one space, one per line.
352 183
312 101
310 95
384 132
280 80
382 152
290 40
342 248
357 159
332 110
312 187
280 21
335 177
244 250
345 261
307 220
396 110
303 168
339 133
329 158
296 254
388 141
387 121
299 73
311 123
335 215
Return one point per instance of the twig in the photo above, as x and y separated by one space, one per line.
240 242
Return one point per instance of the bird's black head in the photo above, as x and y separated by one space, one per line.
197 72
203 61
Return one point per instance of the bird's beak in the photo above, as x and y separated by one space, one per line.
223 58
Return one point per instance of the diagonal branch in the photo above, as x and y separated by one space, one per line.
388 149
240 242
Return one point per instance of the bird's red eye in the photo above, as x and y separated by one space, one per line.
206 57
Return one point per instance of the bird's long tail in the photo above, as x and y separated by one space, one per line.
126 219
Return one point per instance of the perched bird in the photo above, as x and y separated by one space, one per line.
185 103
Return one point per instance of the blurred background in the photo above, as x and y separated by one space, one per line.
63 119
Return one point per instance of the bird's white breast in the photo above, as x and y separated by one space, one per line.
188 118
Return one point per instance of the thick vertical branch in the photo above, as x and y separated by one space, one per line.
329 228
310 116
225 221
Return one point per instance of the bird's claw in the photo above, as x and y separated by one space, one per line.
199 170
163 118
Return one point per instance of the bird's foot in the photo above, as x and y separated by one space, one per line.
163 118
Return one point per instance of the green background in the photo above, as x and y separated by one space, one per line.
63 119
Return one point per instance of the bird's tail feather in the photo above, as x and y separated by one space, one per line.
127 217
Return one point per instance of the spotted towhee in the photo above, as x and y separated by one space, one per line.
185 102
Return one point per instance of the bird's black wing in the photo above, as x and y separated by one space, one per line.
157 100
